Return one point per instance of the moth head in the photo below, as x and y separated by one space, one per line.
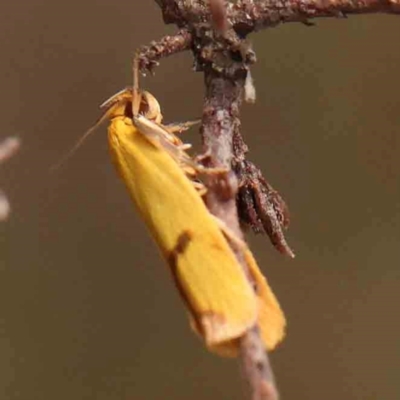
150 107
120 104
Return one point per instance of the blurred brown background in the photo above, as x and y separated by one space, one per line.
87 307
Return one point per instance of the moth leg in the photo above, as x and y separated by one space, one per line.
201 189
205 158
185 146
210 170
179 127
193 167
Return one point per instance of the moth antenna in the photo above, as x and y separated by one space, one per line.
79 143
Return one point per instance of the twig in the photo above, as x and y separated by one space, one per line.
8 147
167 46
220 122
248 16
256 367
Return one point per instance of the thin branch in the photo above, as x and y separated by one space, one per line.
247 16
167 46
182 12
256 367
220 121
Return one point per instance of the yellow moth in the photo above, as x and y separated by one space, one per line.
153 164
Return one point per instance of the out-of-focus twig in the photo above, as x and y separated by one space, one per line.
8 147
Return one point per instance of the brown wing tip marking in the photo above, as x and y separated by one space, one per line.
214 326
180 247
210 326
